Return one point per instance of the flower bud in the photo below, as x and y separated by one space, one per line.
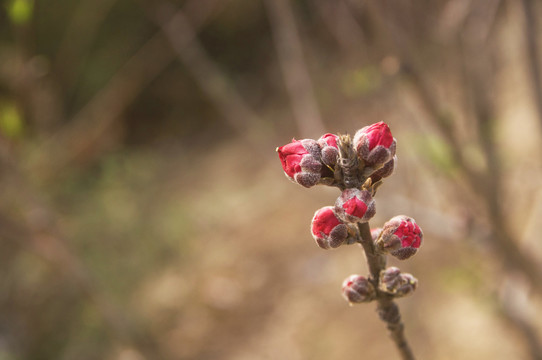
357 289
386 170
355 205
330 150
401 237
393 282
328 230
301 161
375 144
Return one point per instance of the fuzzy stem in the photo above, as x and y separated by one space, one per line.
387 308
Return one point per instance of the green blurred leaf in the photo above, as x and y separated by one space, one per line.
437 151
20 11
362 81
11 121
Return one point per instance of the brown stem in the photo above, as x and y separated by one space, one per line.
387 308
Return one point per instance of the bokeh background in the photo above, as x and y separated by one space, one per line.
144 213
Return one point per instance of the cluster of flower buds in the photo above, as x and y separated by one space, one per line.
358 289
357 167
394 282
310 162
333 226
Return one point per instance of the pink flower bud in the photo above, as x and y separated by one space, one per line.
386 170
301 161
328 230
357 289
328 140
330 149
375 144
393 282
355 205
401 237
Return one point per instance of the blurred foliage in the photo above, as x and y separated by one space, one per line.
437 152
20 11
11 121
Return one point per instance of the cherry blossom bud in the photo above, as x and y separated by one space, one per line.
392 281
375 144
386 170
330 150
301 161
328 230
357 289
355 205
401 237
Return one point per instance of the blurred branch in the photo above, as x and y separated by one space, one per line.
340 22
78 37
533 55
182 38
91 123
88 127
485 184
443 121
294 70
36 232
513 306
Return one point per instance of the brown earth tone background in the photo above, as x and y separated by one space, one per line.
144 213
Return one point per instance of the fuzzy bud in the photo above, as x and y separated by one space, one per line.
355 205
386 170
330 150
357 289
401 237
375 144
328 230
301 161
393 282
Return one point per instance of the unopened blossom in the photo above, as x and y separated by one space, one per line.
330 152
328 230
358 289
375 144
301 161
355 205
394 282
386 170
401 237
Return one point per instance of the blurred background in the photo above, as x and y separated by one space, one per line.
144 213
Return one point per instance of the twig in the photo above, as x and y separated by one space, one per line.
104 109
89 125
183 40
387 308
294 69
485 184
